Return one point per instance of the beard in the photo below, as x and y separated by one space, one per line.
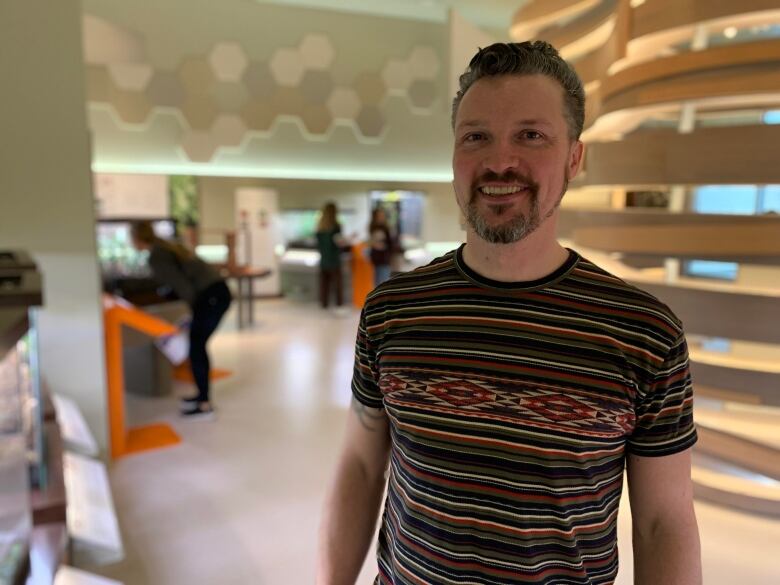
519 225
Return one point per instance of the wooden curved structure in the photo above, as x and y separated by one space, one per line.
716 156
737 457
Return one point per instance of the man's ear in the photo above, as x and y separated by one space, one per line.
576 158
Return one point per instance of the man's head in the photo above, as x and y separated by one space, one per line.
527 58
517 120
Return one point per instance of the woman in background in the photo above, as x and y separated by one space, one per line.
381 245
330 243
203 289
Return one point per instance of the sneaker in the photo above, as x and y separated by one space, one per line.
188 401
195 412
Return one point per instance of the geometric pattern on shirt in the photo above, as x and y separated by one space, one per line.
525 402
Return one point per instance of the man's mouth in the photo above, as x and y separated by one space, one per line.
497 191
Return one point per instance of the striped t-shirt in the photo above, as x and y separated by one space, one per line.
512 407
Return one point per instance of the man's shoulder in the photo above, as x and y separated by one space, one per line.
631 300
436 272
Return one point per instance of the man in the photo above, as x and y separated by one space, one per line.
510 381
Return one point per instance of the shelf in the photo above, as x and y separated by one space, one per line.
92 522
75 432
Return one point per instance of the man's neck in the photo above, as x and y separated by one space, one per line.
532 258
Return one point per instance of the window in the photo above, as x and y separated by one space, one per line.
711 269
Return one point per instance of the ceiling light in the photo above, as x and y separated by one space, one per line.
730 32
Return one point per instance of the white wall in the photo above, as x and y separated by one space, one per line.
134 196
46 196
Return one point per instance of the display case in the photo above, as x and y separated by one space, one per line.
118 258
22 446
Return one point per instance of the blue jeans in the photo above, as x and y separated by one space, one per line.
381 273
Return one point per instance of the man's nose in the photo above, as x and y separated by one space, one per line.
501 159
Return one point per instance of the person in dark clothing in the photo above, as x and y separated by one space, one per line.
203 289
382 245
330 243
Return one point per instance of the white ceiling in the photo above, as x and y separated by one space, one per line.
489 14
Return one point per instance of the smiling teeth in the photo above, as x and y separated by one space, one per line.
502 190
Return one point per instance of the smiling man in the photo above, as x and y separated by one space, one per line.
511 382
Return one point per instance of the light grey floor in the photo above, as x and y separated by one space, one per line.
238 502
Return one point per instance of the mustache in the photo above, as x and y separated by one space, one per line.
508 177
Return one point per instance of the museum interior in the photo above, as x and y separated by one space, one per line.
229 126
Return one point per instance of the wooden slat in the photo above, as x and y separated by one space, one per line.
762 385
756 457
731 155
660 15
736 55
748 317
700 390
689 241
537 14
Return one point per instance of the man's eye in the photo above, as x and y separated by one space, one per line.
532 135
473 137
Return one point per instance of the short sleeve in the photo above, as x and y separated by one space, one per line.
664 414
365 376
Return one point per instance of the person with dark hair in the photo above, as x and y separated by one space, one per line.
204 290
330 243
382 245
509 383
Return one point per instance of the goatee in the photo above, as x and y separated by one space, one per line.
520 225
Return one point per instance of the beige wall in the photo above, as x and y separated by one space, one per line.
47 205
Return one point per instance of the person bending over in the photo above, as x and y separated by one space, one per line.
204 290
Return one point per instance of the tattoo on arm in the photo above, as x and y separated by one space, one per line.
368 417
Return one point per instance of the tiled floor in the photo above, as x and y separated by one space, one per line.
238 502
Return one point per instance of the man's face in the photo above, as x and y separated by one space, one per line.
513 157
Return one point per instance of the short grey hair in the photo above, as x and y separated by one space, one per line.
528 58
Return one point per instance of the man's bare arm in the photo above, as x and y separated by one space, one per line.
666 536
353 502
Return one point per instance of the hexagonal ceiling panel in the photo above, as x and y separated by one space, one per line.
397 75
259 80
199 111
316 86
288 101
287 67
130 76
370 87
228 60
132 106
166 89
344 103
370 122
199 146
229 96
196 74
424 63
258 115
422 93
229 130
316 52
317 119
